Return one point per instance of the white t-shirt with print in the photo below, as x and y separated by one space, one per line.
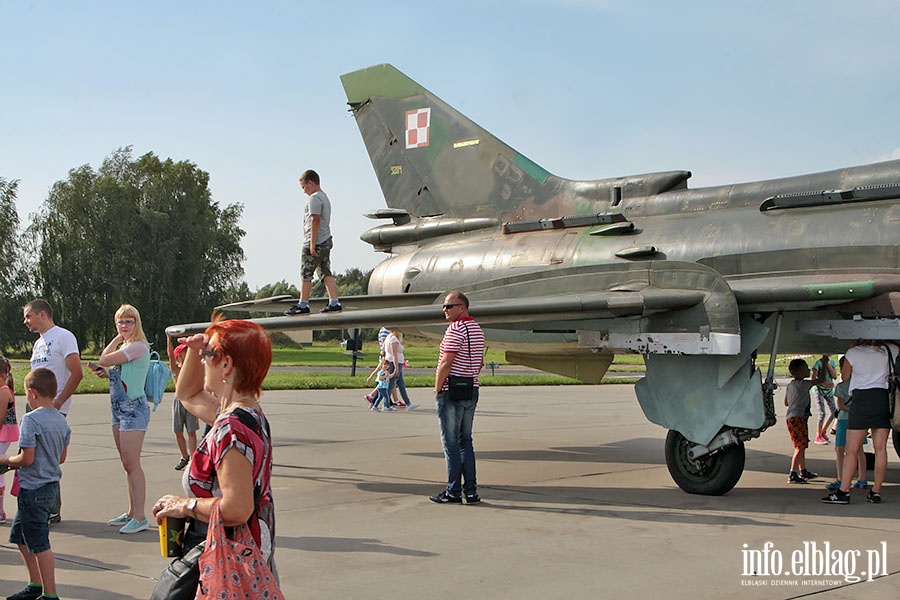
50 352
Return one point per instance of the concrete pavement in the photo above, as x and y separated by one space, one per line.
577 503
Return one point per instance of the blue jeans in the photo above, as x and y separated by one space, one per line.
30 527
382 395
129 414
456 418
397 381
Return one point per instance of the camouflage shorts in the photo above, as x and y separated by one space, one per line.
309 264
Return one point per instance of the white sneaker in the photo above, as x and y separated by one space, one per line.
412 406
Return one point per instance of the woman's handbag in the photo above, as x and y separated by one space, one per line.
180 579
893 390
234 568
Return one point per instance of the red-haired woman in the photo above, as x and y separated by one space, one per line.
220 382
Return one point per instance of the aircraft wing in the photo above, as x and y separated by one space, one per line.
279 304
385 311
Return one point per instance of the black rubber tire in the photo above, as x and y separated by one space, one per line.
717 474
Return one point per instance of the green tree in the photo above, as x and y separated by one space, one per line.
352 282
140 231
14 275
278 289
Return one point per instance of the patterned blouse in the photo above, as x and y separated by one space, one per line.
247 431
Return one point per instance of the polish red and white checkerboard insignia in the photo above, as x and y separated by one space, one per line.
418 123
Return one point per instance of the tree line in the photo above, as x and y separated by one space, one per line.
142 231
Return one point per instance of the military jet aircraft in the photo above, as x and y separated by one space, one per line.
564 274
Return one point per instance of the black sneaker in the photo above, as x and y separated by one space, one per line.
808 474
837 497
296 310
54 518
445 498
873 497
332 308
29 593
795 478
472 499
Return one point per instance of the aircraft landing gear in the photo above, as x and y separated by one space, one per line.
711 475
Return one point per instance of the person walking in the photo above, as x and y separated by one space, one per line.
393 352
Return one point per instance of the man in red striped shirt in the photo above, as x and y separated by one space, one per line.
456 394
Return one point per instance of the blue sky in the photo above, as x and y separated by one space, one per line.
250 92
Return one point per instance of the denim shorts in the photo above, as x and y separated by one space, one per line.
31 527
129 414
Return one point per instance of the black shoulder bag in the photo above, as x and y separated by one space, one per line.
461 388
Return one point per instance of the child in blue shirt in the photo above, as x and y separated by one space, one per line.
383 387
43 441
842 395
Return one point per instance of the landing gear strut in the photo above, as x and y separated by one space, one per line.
714 468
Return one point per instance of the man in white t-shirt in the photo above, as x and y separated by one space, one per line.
56 349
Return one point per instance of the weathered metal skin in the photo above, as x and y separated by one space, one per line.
564 274
801 257
471 213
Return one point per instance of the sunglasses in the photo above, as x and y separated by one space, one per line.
124 321
210 353
449 306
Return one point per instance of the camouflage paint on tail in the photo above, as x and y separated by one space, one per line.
425 152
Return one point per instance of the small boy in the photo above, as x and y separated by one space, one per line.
182 420
796 399
43 443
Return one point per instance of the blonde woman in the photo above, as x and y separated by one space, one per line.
128 357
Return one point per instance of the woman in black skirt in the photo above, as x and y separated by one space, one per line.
866 367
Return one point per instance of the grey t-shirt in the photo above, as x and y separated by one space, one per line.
798 401
317 204
45 430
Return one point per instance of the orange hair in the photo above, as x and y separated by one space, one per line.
250 350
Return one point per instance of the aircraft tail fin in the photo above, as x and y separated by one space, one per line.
426 153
